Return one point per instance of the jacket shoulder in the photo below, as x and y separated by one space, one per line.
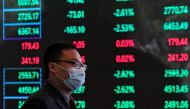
40 100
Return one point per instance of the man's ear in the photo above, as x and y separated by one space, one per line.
52 67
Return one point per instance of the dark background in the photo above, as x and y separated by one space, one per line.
150 50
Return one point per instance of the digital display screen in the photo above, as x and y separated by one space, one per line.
137 51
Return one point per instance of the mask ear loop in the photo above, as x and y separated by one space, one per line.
61 68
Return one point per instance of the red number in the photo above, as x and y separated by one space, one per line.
125 43
79 44
182 57
178 41
30 45
30 60
83 59
125 58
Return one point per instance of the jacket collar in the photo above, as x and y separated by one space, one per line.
59 99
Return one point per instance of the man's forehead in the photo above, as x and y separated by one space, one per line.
71 54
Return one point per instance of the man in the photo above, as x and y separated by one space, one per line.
64 72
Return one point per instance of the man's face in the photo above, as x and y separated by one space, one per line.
70 56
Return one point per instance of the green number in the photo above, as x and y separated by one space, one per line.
28 89
76 1
27 3
20 104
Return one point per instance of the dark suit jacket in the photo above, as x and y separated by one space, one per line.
48 98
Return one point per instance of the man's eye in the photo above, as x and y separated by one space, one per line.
72 63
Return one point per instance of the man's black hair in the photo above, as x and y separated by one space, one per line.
52 53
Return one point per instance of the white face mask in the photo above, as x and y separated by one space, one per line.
76 77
